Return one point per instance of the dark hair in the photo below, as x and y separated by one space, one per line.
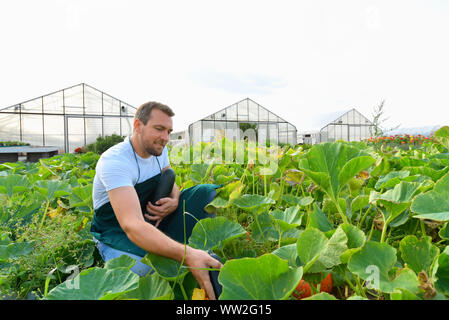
143 113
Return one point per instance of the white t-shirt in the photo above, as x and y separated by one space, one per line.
117 168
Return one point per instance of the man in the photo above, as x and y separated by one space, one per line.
126 222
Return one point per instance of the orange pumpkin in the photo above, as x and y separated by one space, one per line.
303 290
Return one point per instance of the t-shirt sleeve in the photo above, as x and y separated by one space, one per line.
114 174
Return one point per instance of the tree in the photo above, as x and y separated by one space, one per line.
377 129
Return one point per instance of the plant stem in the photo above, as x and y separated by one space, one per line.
282 183
416 226
44 215
371 231
384 232
347 279
224 255
360 287
364 216
265 185
423 228
260 230
183 291
254 181
342 214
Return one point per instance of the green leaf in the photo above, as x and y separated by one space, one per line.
317 253
357 298
321 296
288 219
330 256
356 239
293 176
123 261
217 203
222 179
25 212
403 294
51 189
275 191
294 201
433 174
251 202
151 287
274 279
288 253
15 249
382 167
444 232
353 167
309 246
226 191
418 254
442 136
264 228
359 203
329 205
14 183
199 171
96 283
395 200
391 179
355 186
434 204
81 198
317 219
373 264
442 273
167 268
331 165
213 233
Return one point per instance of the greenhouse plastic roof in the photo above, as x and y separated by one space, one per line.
78 99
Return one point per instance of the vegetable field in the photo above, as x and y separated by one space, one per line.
341 220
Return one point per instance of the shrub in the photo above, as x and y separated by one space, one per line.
103 143
62 241
13 143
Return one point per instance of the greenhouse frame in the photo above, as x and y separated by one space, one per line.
69 118
351 126
238 119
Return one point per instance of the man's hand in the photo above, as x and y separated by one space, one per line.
196 259
163 208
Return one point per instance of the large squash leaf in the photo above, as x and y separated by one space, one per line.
373 264
434 204
267 277
212 233
96 283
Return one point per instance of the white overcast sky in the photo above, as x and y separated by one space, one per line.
303 60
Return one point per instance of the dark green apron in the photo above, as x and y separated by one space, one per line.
106 228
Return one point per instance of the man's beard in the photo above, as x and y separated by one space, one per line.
153 151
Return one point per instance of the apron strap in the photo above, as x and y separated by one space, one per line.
137 163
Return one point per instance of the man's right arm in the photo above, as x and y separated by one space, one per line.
125 202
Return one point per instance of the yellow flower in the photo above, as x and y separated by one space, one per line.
199 294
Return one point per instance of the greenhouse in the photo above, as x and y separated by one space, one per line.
67 119
244 119
351 126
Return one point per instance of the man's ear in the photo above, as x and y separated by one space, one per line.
137 125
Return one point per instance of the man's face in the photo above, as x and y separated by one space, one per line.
156 133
